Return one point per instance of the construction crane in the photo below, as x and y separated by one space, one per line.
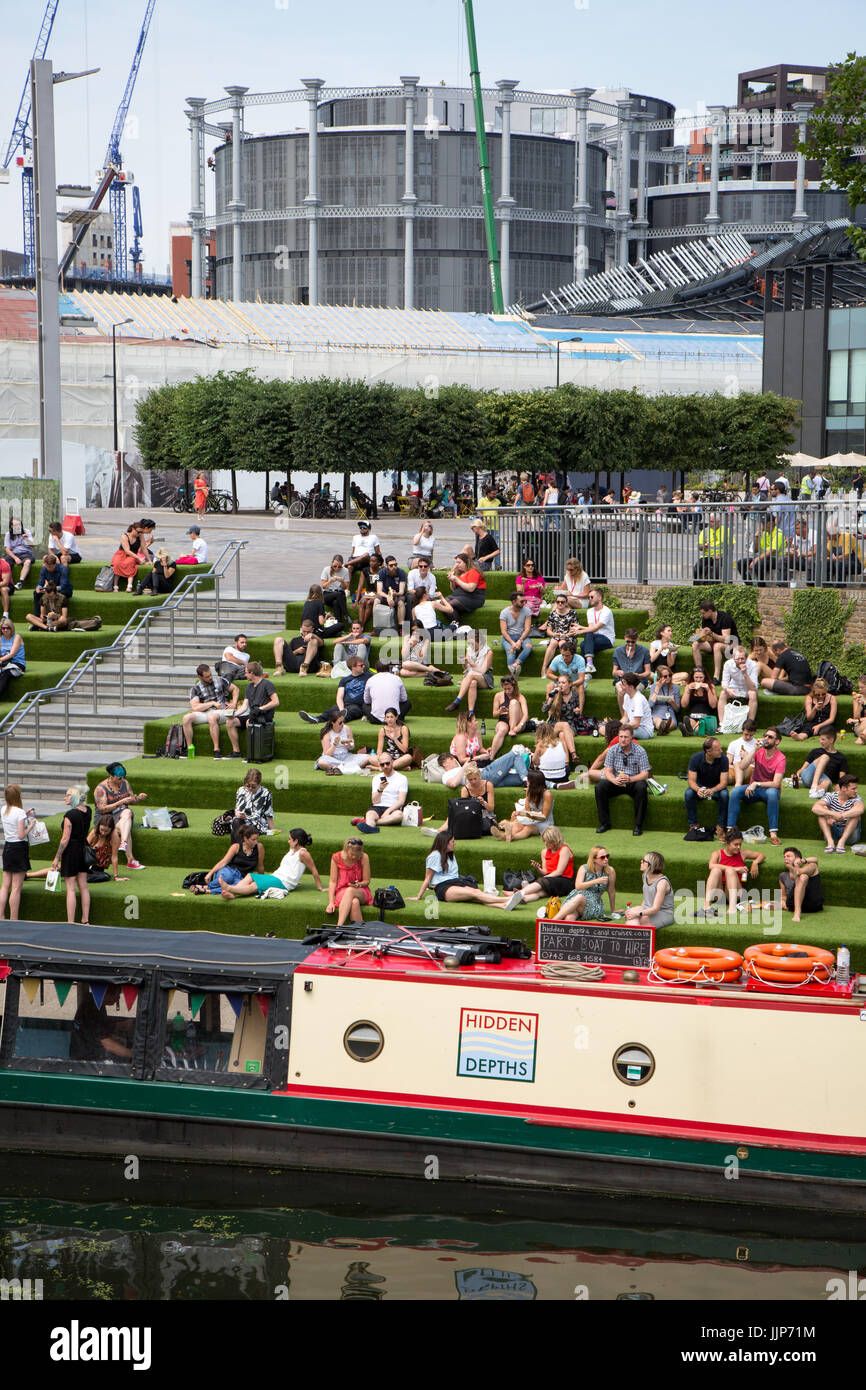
21 139
484 164
113 176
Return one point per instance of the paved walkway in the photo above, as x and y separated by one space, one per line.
284 556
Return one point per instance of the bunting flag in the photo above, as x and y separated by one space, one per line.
98 992
5 969
130 994
195 1003
263 1001
61 989
171 994
30 988
237 1002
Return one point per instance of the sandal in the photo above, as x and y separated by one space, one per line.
198 889
774 838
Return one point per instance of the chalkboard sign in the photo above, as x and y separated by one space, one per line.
595 943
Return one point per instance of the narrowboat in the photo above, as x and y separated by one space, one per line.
431 1057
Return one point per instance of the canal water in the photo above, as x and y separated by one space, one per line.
129 1253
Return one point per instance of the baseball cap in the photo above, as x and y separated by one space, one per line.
363 525
194 531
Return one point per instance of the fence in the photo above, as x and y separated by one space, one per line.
814 543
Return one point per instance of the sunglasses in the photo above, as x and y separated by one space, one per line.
354 842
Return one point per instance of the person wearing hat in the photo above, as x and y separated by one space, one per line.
365 544
198 548
486 549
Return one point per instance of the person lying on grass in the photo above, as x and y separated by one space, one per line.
285 877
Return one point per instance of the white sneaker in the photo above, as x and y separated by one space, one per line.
590 668
514 901
815 793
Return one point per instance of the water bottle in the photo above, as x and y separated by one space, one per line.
178 1032
190 752
843 965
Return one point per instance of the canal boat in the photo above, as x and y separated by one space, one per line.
459 1064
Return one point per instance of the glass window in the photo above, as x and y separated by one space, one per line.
68 1021
837 391
215 1032
857 386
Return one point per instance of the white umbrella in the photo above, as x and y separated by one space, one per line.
800 460
844 461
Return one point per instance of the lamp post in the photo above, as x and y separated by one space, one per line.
118 457
559 343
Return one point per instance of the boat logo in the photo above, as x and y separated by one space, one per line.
497 1044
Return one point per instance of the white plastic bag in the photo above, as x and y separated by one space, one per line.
38 833
488 869
412 814
157 818
52 878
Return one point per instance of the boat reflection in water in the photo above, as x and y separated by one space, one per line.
130 1253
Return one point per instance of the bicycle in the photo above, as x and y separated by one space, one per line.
217 501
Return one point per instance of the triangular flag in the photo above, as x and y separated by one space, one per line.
236 1001
195 1003
98 992
61 989
130 994
171 994
5 969
263 1001
31 988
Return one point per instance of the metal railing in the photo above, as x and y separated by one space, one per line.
87 663
793 544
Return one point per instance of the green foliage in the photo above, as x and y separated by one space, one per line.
853 661
835 128
679 607
154 431
752 431
815 624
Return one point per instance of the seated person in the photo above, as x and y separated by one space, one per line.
511 713
350 696
716 634
562 624
53 614
575 584
698 702
823 767
302 655
728 867
338 749
349 882
468 590
515 622
663 651
741 751
391 590
739 682
7 585
197 546
450 886
364 545
235 658
635 712
104 840
260 700
770 548
64 544
421 583
708 776
287 876
802 889
820 709
858 723
254 805
389 792
762 656
477 671
335 580
18 546
394 739
366 591
383 690
664 700
598 634
568 662
839 813
550 755
556 874
355 643
476 787
52 570
95 1037
245 855
764 780
657 907
314 609
626 771
530 585
466 745
844 556
415 653
802 552
161 577
593 879
791 675
213 701
114 796
564 710
631 658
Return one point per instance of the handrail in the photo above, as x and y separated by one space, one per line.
88 661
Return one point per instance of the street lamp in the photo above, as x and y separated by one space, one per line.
118 459
559 343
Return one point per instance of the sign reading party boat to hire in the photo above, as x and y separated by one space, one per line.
497 1044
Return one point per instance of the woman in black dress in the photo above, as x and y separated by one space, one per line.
70 853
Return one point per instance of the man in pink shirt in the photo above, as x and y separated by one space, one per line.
765 772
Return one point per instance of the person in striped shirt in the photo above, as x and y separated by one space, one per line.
839 814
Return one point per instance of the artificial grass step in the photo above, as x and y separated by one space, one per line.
487 616
147 900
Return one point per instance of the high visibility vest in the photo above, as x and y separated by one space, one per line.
713 541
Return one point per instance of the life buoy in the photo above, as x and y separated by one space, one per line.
789 963
686 963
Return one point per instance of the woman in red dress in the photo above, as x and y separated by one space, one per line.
202 492
349 884
127 557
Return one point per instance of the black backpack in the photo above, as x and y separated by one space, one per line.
837 684
175 743
465 818
179 820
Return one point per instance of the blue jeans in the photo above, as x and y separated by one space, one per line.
227 876
837 827
507 771
770 795
693 801
808 777
592 643
523 655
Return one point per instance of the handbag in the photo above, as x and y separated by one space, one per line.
707 724
194 880
388 899
412 814
551 907
431 768
38 833
513 879
438 678
222 825
792 724
179 820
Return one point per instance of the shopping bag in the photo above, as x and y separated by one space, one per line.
488 869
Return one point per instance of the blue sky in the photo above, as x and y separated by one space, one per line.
686 53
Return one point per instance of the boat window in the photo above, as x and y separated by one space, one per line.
634 1064
363 1041
75 1021
213 1031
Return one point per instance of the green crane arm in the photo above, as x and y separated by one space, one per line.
484 165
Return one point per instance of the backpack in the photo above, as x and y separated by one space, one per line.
837 684
179 820
431 768
104 581
736 714
527 492
465 818
175 742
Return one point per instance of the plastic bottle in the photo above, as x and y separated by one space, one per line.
178 1031
190 752
843 965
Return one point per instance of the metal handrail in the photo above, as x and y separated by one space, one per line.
89 660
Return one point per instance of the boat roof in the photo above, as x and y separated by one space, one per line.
52 943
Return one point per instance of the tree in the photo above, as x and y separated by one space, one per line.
752 432
835 128
154 431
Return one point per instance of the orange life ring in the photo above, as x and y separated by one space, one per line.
718 976
712 957
788 961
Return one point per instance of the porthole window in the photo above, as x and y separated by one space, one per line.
363 1041
633 1064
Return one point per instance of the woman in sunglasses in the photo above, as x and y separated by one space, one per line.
594 878
13 660
511 713
349 883
561 623
530 586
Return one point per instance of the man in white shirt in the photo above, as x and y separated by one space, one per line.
741 751
636 712
197 545
233 662
63 544
364 544
739 682
389 792
599 632
421 583
385 691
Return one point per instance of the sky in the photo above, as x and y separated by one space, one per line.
685 53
